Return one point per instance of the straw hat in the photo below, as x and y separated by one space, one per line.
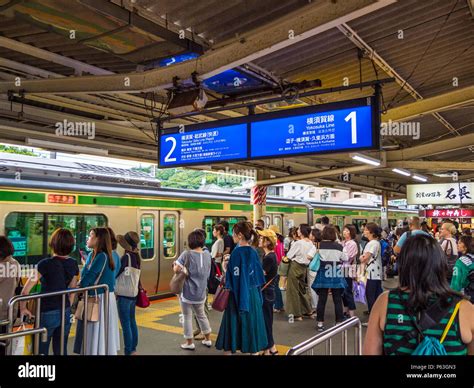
268 233
130 241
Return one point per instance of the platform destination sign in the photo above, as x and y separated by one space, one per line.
339 127
455 193
209 145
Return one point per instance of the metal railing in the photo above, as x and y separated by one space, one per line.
307 347
38 297
23 333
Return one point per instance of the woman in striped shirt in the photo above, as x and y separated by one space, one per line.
423 284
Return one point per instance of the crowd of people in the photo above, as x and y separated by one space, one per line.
60 272
255 266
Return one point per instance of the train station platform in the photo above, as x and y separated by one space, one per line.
161 333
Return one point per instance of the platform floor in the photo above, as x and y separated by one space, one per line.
160 331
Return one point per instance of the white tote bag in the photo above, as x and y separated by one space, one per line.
127 282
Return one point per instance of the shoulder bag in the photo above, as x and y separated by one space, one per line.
178 279
93 305
127 281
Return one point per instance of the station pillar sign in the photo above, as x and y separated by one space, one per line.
259 200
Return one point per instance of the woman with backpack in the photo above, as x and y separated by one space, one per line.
197 263
329 276
449 246
463 273
56 273
126 304
423 315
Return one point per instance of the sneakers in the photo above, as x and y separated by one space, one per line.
320 327
207 343
188 347
365 324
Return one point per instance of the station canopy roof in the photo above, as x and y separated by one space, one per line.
103 61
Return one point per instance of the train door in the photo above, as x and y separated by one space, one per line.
278 221
150 265
159 235
169 247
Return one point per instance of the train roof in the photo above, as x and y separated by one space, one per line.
45 174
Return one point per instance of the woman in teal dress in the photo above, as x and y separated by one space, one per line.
243 326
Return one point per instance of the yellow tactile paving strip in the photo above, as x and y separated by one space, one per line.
148 318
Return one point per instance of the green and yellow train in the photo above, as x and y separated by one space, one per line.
31 210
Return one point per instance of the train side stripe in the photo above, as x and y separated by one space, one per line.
140 202
15 196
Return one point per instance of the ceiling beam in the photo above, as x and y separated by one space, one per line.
307 21
317 174
132 19
430 165
385 66
457 97
433 148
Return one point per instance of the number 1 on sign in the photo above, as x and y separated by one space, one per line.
352 116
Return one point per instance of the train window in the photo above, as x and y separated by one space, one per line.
30 232
147 236
169 236
267 221
209 221
357 222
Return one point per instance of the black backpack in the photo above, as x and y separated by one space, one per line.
215 277
451 258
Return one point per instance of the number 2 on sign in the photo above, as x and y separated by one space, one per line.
352 116
173 146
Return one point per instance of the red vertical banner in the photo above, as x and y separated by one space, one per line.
259 195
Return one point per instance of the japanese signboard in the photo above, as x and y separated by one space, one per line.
316 132
204 146
448 213
455 193
336 127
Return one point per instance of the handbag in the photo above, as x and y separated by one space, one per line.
142 299
284 266
358 289
221 298
316 262
178 279
22 346
127 282
92 314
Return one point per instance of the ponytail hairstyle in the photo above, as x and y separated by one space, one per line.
104 244
246 229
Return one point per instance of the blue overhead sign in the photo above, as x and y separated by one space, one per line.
213 144
325 131
346 126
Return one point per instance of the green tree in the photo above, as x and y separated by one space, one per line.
15 150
